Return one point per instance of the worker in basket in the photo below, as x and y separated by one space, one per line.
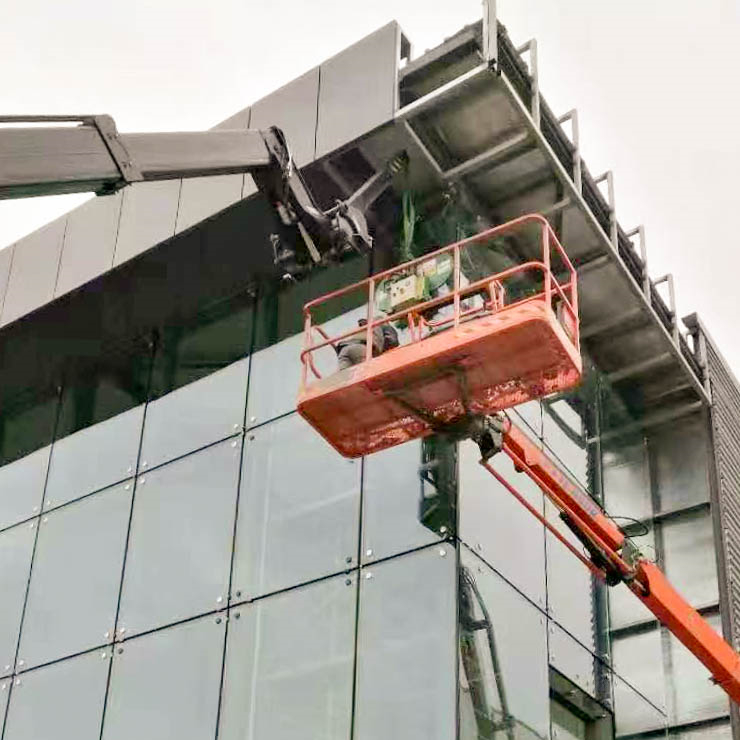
351 351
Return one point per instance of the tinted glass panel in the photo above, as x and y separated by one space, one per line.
406 648
290 678
27 423
503 657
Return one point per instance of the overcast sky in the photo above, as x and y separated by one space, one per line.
655 83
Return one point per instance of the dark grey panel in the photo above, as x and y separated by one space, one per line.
689 557
299 512
392 499
6 257
638 658
633 713
496 525
406 648
201 197
289 677
293 109
195 415
569 584
697 697
33 273
89 242
572 659
22 486
76 576
238 120
514 641
63 701
148 213
679 453
180 543
94 458
16 547
166 685
358 89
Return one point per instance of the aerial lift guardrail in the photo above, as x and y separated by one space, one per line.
456 375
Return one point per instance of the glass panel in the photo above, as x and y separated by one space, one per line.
531 414
504 690
626 477
104 384
76 576
406 648
22 486
276 367
275 661
497 526
633 713
63 701
573 660
181 535
16 547
697 697
195 415
217 338
94 458
680 455
569 585
395 499
166 685
27 423
297 521
565 434
689 556
638 658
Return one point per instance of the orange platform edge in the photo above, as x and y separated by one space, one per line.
490 363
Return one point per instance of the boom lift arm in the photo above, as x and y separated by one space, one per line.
93 157
612 556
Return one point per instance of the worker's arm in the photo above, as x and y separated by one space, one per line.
48 155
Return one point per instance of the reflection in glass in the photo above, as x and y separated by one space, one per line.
27 423
503 689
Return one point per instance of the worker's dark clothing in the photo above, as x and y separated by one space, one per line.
351 351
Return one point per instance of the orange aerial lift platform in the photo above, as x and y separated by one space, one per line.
482 345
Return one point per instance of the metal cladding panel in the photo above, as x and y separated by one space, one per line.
63 701
202 197
76 576
238 120
89 242
75 472
16 548
6 258
359 89
725 420
22 487
148 214
293 109
33 273
166 685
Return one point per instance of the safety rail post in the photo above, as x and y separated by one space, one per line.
546 261
307 342
531 47
572 116
456 284
639 232
370 317
668 278
608 177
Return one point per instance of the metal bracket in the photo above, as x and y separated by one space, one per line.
106 127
